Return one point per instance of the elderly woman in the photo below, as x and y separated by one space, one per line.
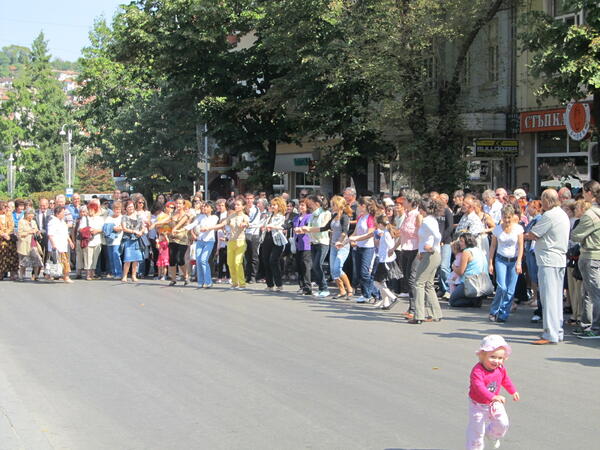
80 223
94 221
28 248
428 261
9 260
59 240
133 229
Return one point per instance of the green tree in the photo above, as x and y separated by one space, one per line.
31 120
566 58
142 127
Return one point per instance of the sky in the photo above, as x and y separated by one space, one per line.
65 23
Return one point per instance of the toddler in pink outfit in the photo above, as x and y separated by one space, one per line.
487 415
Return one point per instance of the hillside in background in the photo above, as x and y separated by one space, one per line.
13 57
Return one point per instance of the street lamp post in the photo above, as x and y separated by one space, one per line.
11 175
69 158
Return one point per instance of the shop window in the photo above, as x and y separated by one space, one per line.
466 71
564 12
558 142
278 182
493 57
558 171
552 142
430 71
307 181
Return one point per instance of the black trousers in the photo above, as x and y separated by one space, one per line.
303 267
221 268
252 262
271 257
409 270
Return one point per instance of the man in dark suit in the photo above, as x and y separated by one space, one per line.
42 217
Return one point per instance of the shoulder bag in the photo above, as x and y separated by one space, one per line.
479 285
53 267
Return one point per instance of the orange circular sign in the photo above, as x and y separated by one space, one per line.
577 120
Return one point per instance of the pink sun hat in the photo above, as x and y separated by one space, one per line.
493 342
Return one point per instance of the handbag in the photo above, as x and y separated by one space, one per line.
479 285
53 267
84 234
292 241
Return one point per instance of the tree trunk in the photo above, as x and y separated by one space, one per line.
358 171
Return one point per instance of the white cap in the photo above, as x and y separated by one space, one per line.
519 193
388 201
493 342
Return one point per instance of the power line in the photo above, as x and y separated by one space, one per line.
4 19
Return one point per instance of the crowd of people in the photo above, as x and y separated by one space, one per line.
417 247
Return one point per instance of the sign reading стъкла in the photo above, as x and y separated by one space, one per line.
496 147
577 120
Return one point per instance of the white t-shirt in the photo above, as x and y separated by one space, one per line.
204 221
96 223
362 227
386 242
116 221
59 230
508 242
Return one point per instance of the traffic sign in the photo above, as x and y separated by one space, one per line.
69 192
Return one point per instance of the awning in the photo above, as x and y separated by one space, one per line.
294 162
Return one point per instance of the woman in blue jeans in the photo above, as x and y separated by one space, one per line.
362 238
339 248
205 241
507 245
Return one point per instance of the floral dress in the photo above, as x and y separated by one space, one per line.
9 259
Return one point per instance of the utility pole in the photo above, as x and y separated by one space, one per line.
203 154
11 176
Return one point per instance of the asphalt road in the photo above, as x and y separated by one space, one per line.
101 365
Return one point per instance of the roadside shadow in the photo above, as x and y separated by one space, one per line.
398 448
590 362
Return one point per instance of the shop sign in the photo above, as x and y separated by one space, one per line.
549 120
577 120
301 161
496 147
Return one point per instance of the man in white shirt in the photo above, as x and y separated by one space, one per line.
42 217
551 234
252 238
492 206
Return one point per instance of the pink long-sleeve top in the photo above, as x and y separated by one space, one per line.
486 384
409 239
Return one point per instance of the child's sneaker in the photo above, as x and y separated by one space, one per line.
497 443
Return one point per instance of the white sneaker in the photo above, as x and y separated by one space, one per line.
446 295
323 294
497 443
379 304
361 299
403 295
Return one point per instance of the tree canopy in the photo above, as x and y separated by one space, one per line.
30 121
348 75
566 57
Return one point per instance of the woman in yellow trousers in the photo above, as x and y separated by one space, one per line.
237 222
